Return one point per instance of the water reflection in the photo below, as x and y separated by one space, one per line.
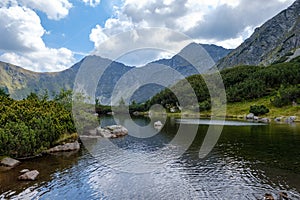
247 162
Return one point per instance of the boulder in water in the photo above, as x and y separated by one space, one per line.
9 162
29 176
66 147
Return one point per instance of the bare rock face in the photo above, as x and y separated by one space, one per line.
273 41
66 147
9 162
29 176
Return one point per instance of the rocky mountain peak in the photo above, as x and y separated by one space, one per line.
274 41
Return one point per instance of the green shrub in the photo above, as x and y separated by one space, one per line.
259 110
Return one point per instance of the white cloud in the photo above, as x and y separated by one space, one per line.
21 40
92 3
20 29
223 22
54 9
48 59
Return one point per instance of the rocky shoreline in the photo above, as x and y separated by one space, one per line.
114 131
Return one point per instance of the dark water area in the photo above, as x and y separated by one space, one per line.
248 161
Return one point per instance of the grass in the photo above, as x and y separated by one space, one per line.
241 109
65 138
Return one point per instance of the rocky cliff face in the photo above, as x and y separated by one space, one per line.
275 41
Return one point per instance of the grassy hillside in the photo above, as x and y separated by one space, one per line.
19 83
277 87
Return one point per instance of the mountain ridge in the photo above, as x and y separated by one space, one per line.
274 41
19 82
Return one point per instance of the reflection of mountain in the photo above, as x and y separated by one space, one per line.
20 82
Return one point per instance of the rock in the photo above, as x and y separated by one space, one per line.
24 171
92 132
110 113
278 119
113 127
136 113
104 132
283 196
268 197
291 119
158 123
250 116
264 120
256 118
120 132
29 176
66 147
172 110
113 131
9 162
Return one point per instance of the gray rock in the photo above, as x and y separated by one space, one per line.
9 162
113 131
24 171
29 176
264 120
104 132
291 119
66 147
157 123
278 119
256 118
250 116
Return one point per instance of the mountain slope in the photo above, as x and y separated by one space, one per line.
274 41
184 67
20 82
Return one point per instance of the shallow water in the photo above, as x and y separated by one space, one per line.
247 162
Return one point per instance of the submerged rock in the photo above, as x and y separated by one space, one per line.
268 197
24 171
66 147
283 196
9 162
29 176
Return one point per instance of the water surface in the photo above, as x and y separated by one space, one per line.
247 162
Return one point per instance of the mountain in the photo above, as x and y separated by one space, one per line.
194 52
178 63
275 41
20 82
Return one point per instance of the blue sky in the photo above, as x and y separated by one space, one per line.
52 35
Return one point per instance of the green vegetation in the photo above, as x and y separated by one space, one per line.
277 86
31 125
259 110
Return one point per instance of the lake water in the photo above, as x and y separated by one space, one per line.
248 161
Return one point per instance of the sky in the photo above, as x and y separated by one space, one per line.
52 35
